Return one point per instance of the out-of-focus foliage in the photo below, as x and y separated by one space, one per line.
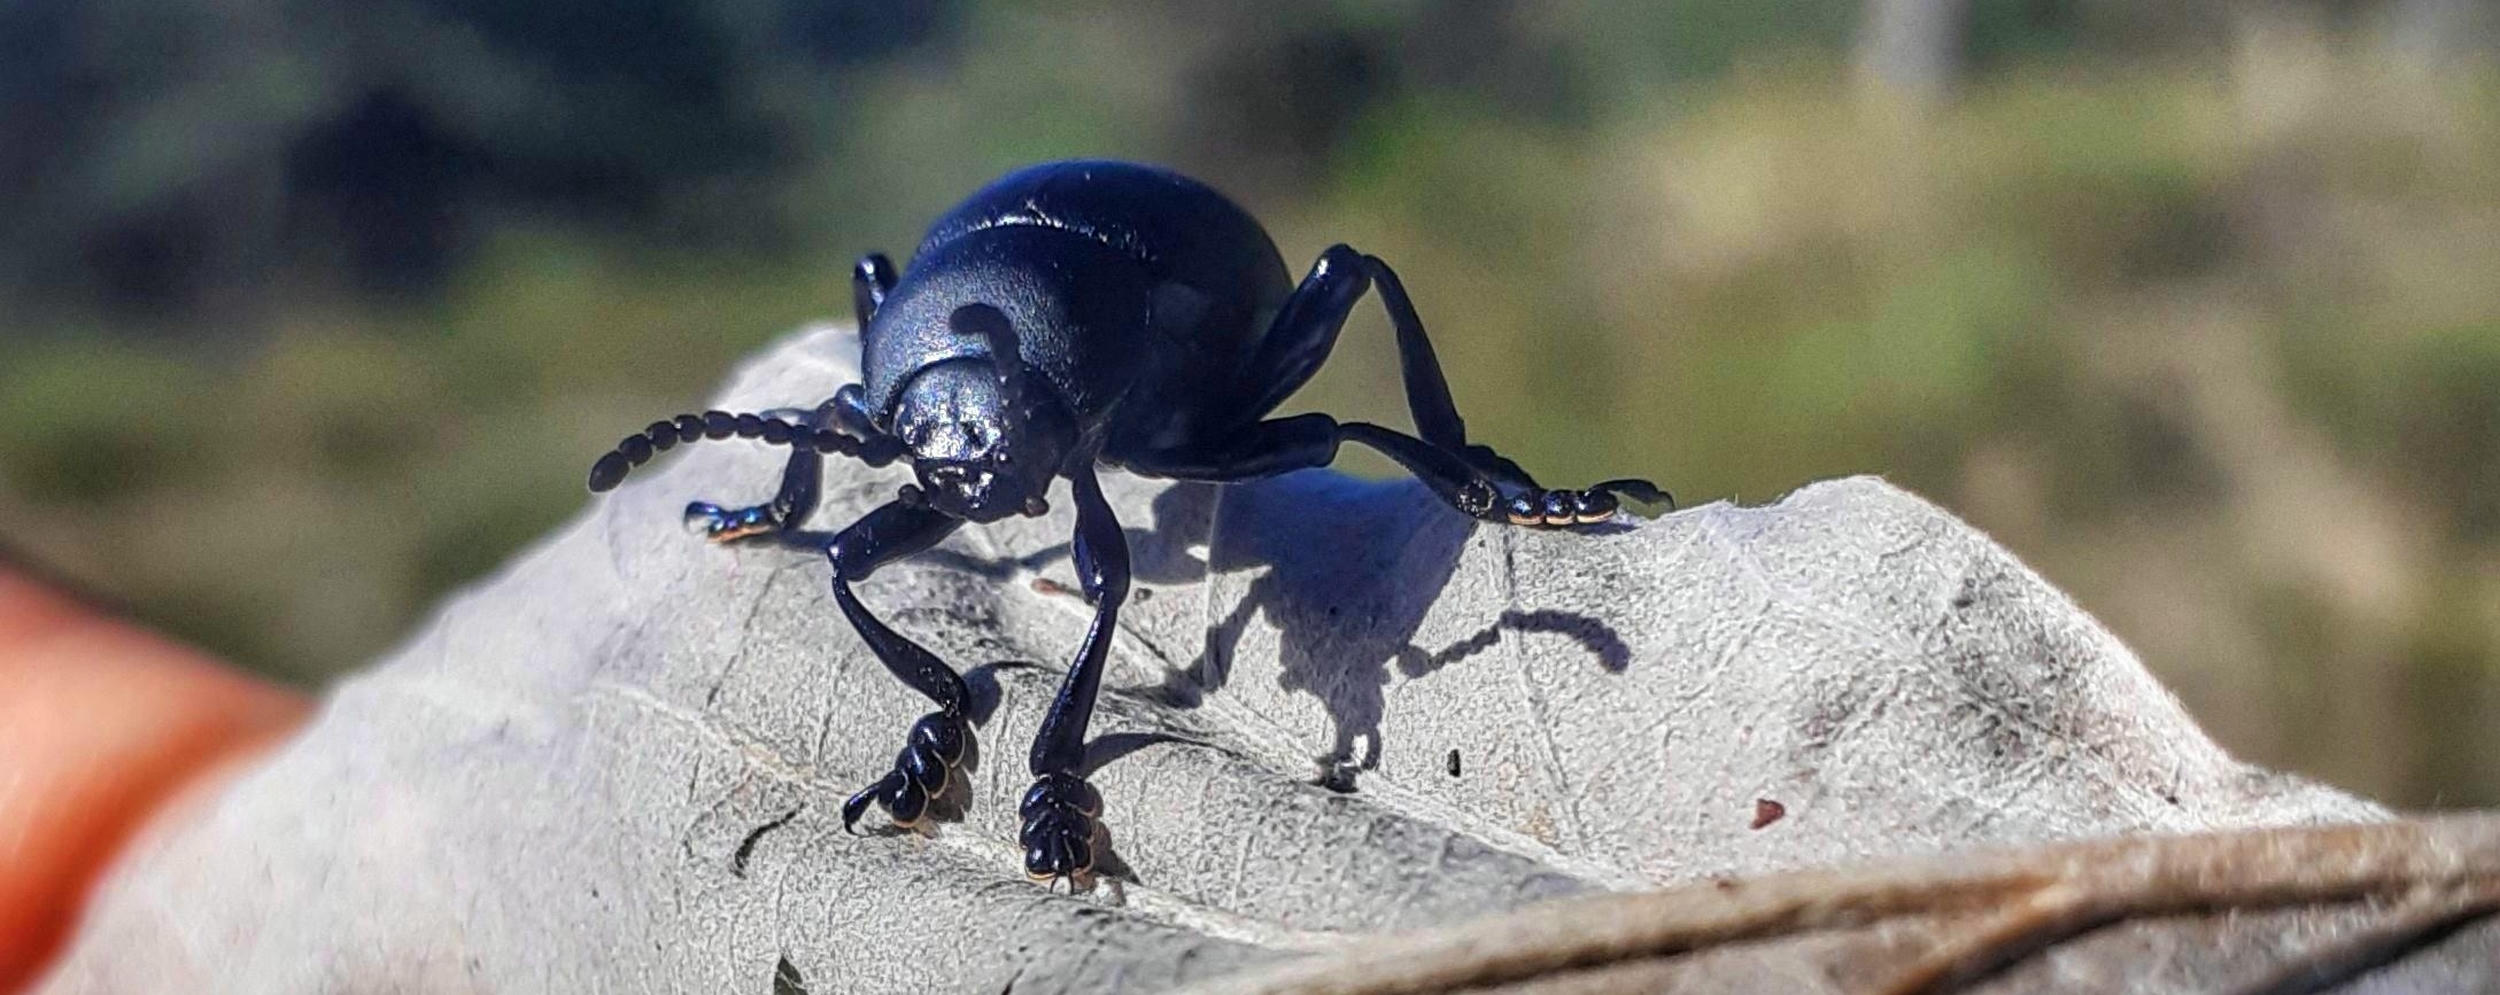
313 312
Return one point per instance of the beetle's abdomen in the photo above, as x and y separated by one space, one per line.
1178 228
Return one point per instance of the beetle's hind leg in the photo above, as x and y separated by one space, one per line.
1473 478
1283 445
1524 502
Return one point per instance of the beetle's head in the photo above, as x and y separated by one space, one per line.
978 458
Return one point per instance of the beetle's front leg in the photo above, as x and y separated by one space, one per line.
1060 808
936 743
801 479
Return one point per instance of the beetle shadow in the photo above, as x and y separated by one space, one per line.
1351 568
1598 638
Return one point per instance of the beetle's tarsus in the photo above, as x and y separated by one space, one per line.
1593 505
930 755
1060 812
719 524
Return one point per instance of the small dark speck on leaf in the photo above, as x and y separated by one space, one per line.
1142 594
1045 585
1963 600
786 978
1723 884
2170 797
1766 812
1453 763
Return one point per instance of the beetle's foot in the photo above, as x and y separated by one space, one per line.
1058 837
921 772
1587 506
719 524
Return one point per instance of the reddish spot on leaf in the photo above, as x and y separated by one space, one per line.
1766 812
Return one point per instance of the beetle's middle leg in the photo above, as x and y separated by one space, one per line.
1060 808
802 478
935 744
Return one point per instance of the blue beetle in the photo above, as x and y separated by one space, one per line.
1066 317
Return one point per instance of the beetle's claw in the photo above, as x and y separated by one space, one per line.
1590 506
921 773
1638 490
857 804
719 524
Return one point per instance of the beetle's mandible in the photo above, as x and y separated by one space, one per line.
1071 316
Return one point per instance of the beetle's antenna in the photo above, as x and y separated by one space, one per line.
661 436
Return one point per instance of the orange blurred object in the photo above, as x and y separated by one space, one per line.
101 724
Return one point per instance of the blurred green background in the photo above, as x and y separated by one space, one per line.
310 311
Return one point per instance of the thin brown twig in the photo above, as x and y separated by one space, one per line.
2053 892
2419 921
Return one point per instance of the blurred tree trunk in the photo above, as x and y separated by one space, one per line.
1912 46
